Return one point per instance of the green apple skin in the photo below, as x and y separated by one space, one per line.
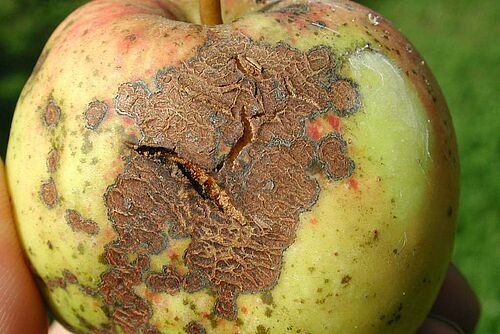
367 257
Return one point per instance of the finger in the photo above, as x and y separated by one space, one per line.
57 328
457 301
439 326
21 308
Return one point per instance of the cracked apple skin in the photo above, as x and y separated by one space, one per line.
292 171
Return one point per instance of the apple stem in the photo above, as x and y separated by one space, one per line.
210 12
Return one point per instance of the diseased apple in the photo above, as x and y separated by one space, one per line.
291 171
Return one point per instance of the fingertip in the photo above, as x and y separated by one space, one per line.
457 301
21 307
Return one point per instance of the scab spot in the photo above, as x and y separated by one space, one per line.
267 298
195 328
69 277
344 96
320 59
332 152
63 281
80 224
58 282
131 38
295 9
52 114
169 281
52 161
248 118
346 279
95 114
48 193
262 330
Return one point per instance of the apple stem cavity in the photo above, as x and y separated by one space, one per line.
210 12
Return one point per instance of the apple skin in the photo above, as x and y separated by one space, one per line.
367 257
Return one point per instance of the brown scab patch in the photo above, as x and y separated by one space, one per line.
68 278
296 9
262 330
52 114
332 151
218 132
95 114
80 224
169 281
346 279
48 193
345 98
88 290
57 282
52 161
195 328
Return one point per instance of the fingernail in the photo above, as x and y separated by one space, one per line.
436 324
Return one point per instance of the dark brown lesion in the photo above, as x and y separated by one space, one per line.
52 114
80 224
195 328
95 113
53 161
332 152
169 280
66 279
295 9
48 193
223 153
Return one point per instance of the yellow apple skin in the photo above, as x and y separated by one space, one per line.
368 256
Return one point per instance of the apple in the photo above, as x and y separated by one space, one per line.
293 170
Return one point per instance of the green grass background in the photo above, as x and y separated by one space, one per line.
460 40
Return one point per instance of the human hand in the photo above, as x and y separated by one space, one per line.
21 308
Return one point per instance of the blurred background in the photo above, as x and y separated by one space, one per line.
460 40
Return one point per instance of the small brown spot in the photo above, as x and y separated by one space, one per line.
52 161
69 277
52 114
262 330
267 298
269 312
48 193
131 37
78 223
95 114
195 328
57 282
346 279
295 9
88 290
49 244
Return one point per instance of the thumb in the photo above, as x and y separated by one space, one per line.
439 325
21 307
